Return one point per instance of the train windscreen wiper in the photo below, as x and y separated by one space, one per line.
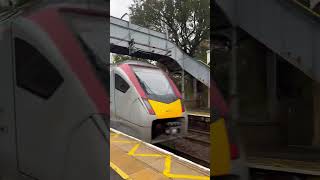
146 88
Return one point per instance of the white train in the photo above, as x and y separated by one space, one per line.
53 107
145 103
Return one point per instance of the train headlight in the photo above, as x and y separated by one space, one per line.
174 131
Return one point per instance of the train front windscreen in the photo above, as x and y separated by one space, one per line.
155 84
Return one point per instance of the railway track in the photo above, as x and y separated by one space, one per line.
190 150
197 136
199 123
196 145
199 131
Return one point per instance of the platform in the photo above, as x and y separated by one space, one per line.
114 175
302 160
133 159
198 112
285 165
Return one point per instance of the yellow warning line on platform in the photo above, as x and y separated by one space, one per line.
119 171
167 169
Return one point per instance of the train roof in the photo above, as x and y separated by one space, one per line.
138 63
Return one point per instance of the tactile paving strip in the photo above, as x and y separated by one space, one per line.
134 159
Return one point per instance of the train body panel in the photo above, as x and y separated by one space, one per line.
48 111
227 162
8 157
137 113
164 110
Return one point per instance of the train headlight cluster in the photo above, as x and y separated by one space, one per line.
172 128
169 131
174 131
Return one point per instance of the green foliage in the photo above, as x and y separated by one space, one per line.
120 58
188 21
201 51
117 58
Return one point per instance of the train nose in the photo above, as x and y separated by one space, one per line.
172 128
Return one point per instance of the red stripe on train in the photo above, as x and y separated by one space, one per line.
127 69
217 100
52 23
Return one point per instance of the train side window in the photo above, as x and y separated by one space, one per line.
34 72
121 84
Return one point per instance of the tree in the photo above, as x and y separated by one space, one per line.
188 21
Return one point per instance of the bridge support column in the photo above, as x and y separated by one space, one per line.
182 85
195 89
271 59
316 114
209 98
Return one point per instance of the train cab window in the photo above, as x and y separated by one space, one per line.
121 84
155 84
34 72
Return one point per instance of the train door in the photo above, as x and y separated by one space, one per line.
7 121
33 98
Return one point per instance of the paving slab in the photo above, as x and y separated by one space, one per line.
137 160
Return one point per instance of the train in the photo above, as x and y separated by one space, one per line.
53 99
227 155
145 103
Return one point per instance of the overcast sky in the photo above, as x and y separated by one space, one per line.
119 7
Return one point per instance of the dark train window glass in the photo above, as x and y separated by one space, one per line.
34 73
121 84
155 84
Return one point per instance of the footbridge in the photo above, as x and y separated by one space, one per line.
129 39
287 27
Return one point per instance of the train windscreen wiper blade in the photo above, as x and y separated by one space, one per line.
144 85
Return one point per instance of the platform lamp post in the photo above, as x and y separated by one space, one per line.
182 79
208 62
234 104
